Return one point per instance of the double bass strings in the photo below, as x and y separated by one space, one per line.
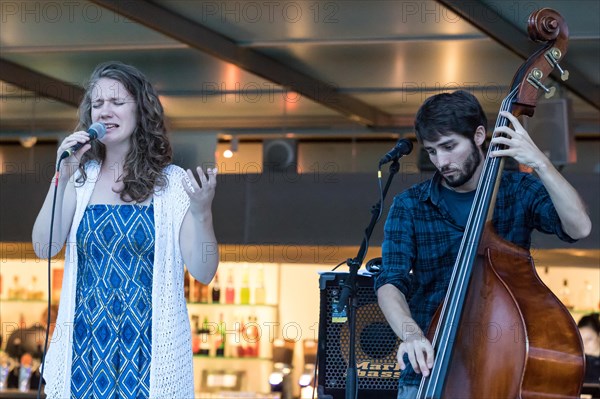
448 321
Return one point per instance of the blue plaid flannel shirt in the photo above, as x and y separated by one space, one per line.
420 235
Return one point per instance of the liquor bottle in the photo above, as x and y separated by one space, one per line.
232 345
241 344
565 295
196 335
245 289
57 279
229 288
33 289
220 338
252 337
25 368
186 286
204 293
16 289
216 290
205 338
588 298
259 291
11 292
195 290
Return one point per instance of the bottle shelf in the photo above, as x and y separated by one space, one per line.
232 358
17 301
253 293
584 311
233 305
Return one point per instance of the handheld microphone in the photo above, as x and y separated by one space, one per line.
96 131
403 147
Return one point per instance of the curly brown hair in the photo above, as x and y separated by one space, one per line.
150 148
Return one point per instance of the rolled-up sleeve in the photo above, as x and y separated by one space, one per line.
541 213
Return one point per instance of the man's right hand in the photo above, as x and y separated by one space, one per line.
419 351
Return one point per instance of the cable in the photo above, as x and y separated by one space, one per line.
339 264
380 194
48 319
366 239
315 383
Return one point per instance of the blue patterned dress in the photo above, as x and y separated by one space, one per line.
113 309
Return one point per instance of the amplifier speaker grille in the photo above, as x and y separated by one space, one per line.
376 343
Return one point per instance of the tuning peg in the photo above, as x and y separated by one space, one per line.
550 93
553 55
534 79
564 74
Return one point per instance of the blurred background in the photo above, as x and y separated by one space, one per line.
295 102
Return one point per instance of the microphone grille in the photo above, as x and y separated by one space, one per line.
99 128
406 145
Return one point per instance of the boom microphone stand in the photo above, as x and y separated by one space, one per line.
348 295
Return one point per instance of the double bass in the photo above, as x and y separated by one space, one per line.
500 332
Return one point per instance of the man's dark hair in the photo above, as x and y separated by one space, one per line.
446 113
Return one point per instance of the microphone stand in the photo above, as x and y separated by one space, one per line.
348 296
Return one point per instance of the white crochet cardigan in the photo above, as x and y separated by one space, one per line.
171 370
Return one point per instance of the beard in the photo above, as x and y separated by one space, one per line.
466 172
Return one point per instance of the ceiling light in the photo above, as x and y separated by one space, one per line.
233 147
27 141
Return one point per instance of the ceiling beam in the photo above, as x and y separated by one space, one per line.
204 39
268 125
492 23
44 85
